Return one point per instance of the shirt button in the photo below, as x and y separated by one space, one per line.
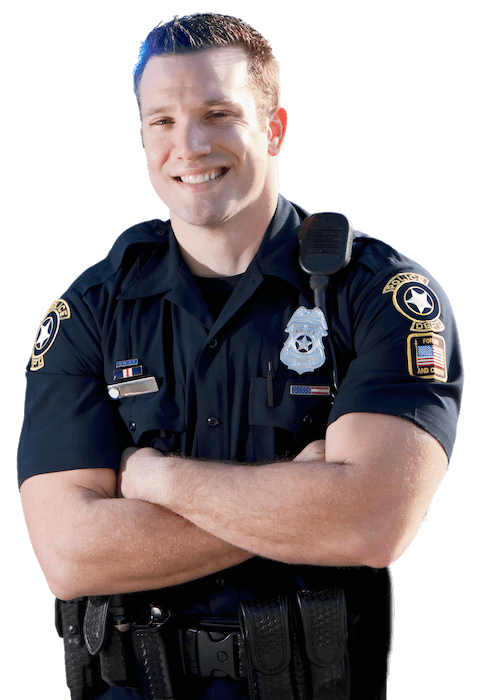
213 422
212 343
308 419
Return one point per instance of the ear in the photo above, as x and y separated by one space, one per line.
142 139
278 120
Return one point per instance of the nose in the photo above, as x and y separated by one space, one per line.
191 140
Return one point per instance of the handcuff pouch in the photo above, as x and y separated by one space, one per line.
266 631
324 632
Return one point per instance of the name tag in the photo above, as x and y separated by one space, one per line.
145 385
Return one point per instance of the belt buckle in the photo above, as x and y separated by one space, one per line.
216 653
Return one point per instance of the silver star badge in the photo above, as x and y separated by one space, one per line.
303 350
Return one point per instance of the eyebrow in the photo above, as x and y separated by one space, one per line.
209 103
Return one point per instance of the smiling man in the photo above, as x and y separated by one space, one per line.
210 154
208 151
215 474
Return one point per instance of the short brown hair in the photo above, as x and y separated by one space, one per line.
200 32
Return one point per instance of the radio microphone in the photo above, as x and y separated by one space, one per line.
326 241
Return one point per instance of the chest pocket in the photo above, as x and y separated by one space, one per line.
299 413
156 419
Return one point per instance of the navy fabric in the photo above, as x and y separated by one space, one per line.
143 304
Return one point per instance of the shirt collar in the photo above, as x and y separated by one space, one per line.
277 256
279 253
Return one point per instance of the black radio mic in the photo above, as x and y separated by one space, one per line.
326 242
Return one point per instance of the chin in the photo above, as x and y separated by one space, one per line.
202 216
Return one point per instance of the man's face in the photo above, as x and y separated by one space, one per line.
209 152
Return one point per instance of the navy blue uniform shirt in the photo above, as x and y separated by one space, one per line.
142 303
140 314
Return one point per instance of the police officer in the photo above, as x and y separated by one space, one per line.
198 435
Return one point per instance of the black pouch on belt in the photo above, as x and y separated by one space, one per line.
82 669
117 663
324 633
265 627
157 654
110 640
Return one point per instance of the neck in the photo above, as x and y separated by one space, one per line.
227 249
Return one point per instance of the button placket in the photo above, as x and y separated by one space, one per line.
212 380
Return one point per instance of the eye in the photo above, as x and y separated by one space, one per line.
162 121
218 115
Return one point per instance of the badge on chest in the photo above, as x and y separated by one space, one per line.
303 350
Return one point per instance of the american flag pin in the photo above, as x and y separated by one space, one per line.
305 390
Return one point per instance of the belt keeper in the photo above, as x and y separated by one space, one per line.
265 626
325 632
95 622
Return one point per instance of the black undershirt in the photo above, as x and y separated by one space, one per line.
216 291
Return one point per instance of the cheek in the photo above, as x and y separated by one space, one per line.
156 148
257 165
155 165
258 149
152 159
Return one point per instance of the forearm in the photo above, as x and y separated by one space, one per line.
275 510
297 512
121 545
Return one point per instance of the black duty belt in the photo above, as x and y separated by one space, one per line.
288 648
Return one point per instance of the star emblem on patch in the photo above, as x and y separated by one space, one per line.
45 331
414 299
419 301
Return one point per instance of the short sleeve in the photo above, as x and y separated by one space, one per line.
402 350
69 421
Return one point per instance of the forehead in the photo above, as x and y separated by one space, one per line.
205 75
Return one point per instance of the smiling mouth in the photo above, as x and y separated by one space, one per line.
203 177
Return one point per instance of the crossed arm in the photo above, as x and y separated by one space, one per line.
356 499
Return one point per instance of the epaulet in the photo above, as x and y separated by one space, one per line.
155 232
374 254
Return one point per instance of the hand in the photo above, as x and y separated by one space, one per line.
131 470
125 480
142 474
314 451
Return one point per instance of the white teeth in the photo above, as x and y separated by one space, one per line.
197 179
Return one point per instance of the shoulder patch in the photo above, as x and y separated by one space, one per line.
47 332
426 356
413 298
